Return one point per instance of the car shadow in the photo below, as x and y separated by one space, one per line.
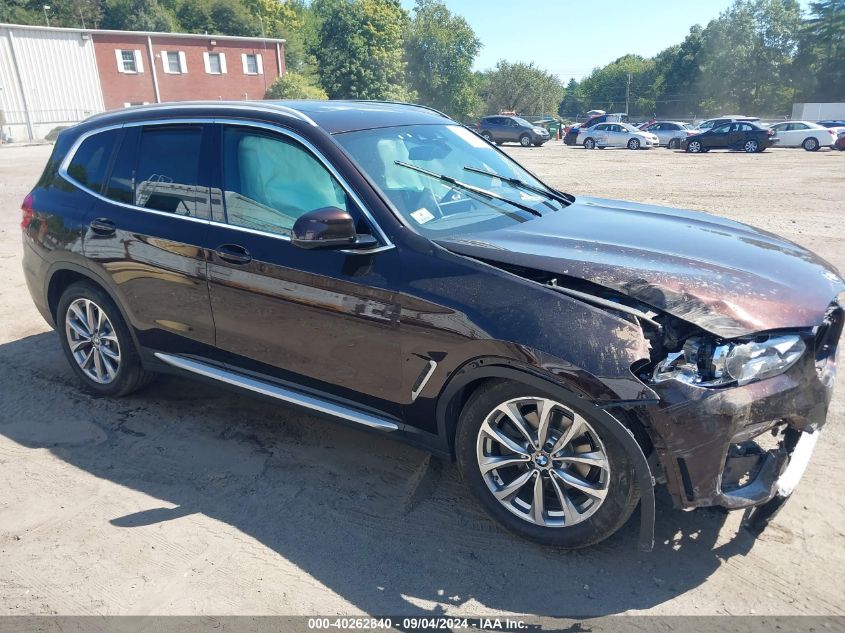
383 525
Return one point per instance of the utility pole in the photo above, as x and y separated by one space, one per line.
46 17
628 94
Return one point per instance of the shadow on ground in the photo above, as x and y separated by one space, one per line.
375 521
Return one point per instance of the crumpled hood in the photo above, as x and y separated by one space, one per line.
725 277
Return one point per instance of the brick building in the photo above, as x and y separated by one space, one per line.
56 76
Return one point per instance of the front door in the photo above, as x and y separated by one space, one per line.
148 232
718 137
322 319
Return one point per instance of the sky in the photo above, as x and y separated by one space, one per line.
571 38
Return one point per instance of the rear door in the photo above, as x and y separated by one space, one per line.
323 319
147 234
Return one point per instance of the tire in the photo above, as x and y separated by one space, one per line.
525 140
119 365
610 479
540 144
674 143
751 146
487 136
811 144
634 143
694 147
589 143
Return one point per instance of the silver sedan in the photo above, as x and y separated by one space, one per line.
616 135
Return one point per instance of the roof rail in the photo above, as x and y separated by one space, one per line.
265 106
405 103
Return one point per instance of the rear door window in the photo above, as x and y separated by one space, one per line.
167 175
91 161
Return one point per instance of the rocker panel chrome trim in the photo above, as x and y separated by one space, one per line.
280 393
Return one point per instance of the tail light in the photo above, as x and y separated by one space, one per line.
26 211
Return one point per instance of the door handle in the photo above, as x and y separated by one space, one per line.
103 226
233 253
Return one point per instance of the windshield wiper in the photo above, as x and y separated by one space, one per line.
516 182
472 188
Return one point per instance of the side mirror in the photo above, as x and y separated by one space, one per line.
328 227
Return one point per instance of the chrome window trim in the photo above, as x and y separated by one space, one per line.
386 243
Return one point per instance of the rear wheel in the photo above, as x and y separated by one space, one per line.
589 144
810 144
487 136
525 140
634 143
97 343
544 470
751 146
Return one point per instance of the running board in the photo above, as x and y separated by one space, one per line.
280 393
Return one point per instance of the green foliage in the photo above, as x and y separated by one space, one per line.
440 48
292 85
67 13
358 47
820 72
607 87
138 15
521 88
572 104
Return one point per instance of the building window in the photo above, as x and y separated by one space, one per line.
174 62
215 63
252 64
129 61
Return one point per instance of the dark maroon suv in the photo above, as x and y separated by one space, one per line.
382 265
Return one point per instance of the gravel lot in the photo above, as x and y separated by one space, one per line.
186 499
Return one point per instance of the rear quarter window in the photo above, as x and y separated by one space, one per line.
90 163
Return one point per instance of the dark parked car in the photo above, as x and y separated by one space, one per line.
571 136
744 136
832 123
512 129
382 265
840 142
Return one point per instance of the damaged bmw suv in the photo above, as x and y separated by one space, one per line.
380 264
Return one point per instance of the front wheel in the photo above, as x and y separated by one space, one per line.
97 342
634 143
525 140
751 146
542 469
811 144
694 147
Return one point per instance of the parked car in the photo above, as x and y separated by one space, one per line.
709 124
616 135
571 136
748 137
832 123
840 142
670 133
379 264
512 129
810 136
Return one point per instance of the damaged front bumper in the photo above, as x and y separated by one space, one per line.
746 446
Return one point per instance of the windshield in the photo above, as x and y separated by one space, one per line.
437 208
522 122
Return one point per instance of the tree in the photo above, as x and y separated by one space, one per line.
820 62
678 74
139 15
607 88
520 87
746 53
571 105
358 47
440 48
67 13
292 85
215 16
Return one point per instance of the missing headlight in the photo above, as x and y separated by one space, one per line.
706 363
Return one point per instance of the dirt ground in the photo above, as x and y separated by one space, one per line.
186 499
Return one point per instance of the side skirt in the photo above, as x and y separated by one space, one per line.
290 396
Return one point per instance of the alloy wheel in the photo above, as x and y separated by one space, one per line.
751 146
543 462
524 140
92 340
634 144
589 144
811 145
694 147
